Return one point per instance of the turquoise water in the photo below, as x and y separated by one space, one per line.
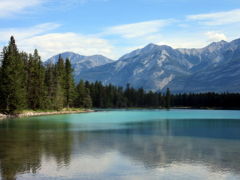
122 144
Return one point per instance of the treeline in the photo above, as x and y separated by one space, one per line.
109 96
205 100
26 83
117 97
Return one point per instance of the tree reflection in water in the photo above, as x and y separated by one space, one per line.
24 143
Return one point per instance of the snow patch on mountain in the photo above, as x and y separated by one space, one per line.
164 82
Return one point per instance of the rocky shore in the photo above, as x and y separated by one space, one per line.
3 116
29 114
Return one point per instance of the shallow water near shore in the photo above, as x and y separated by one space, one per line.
122 144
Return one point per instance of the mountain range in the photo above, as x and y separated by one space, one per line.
215 67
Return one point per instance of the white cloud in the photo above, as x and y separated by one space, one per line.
215 36
53 43
10 7
23 33
49 44
218 18
137 29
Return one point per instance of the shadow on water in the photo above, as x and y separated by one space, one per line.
158 143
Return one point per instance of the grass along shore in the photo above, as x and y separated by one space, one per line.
29 113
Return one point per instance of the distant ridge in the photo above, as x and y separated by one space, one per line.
80 62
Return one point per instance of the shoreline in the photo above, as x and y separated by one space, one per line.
183 107
32 113
43 113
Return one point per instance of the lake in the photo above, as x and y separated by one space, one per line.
122 144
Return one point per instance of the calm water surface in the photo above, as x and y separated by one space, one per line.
122 144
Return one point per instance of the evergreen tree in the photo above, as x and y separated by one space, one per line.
87 99
24 57
50 86
58 91
128 95
69 84
35 82
99 95
12 88
61 71
83 98
54 90
58 98
168 99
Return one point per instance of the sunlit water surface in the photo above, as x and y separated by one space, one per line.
122 144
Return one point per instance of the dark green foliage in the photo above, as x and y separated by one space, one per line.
69 84
210 99
12 88
59 96
83 98
35 82
54 89
50 85
168 99
60 70
110 96
26 83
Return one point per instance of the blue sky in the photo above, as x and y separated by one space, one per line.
115 27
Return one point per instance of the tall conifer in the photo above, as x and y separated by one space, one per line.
69 84
35 83
12 88
168 98
83 98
